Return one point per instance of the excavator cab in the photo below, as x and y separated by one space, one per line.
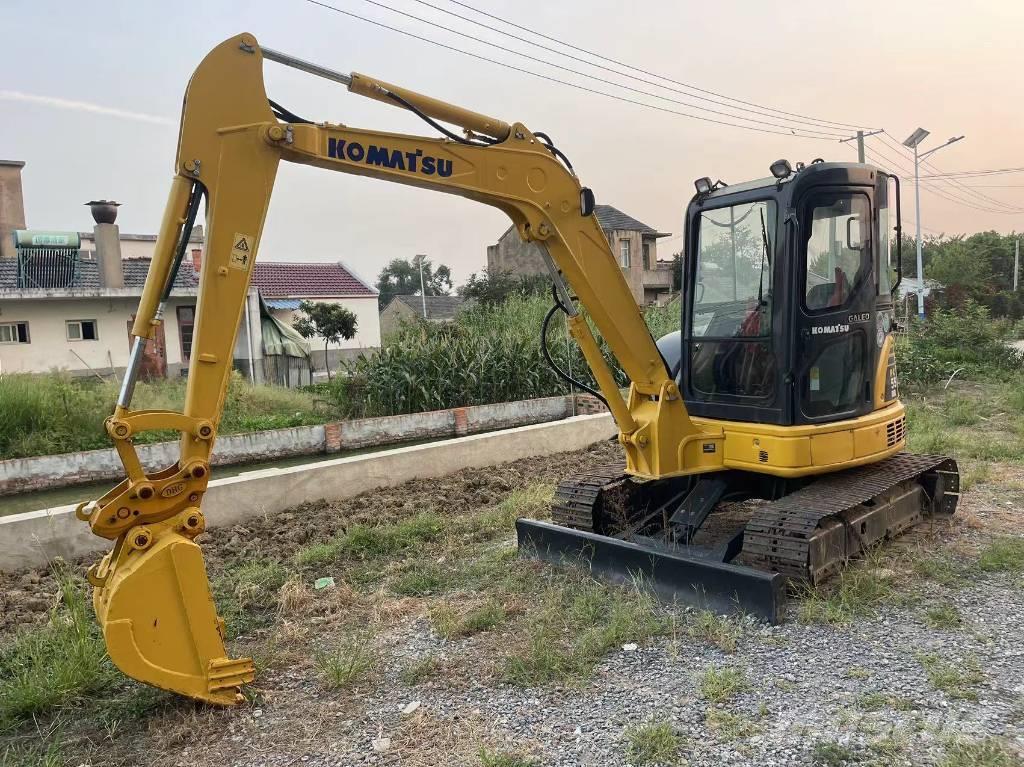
787 298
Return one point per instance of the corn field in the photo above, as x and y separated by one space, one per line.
487 354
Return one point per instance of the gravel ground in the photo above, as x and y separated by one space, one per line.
812 694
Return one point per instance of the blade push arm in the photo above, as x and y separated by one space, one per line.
230 145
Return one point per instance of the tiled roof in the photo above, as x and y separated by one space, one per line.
277 279
438 307
136 269
88 277
613 219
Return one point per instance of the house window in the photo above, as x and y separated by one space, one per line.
646 248
14 333
81 330
186 325
624 259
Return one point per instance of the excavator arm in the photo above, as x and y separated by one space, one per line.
151 592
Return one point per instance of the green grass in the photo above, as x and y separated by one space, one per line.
578 621
419 671
876 701
857 590
989 752
833 754
451 624
1004 554
718 685
33 755
346 665
961 412
957 679
490 758
940 568
247 595
57 665
720 631
652 743
728 726
943 616
422 579
44 414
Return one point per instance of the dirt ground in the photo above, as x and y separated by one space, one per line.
436 645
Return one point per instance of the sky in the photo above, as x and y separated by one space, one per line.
91 94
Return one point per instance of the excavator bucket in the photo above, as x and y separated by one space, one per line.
153 602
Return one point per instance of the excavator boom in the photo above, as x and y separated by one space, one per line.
151 593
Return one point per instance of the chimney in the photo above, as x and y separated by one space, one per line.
12 206
197 259
108 242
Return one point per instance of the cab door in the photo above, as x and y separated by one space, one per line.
835 306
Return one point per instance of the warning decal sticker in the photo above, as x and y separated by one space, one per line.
241 251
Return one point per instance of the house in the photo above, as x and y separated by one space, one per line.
68 299
632 242
406 308
284 285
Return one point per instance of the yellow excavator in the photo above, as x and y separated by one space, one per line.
780 385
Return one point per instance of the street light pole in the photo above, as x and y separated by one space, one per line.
913 141
423 290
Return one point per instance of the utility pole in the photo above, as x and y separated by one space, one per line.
1016 262
423 291
912 142
861 135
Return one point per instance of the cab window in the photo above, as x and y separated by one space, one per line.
838 250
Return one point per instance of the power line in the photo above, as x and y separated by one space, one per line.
981 202
944 194
545 62
807 121
549 78
644 71
975 173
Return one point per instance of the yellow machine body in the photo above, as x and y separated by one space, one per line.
152 595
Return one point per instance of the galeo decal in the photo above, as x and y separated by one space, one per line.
382 157
855 318
828 330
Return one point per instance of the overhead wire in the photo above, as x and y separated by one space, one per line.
559 81
604 81
651 74
979 197
796 120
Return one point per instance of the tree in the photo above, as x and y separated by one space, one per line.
495 287
677 271
332 322
402 278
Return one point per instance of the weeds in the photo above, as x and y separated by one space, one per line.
858 590
503 759
943 616
990 752
652 743
346 665
450 624
581 620
247 595
1004 554
55 665
718 630
832 754
419 671
728 726
956 679
720 685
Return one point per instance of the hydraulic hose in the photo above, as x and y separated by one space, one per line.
551 363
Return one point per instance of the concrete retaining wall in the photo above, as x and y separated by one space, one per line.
20 475
33 538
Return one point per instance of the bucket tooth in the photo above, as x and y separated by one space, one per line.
159 621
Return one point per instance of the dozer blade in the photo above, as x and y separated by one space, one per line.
671 573
153 603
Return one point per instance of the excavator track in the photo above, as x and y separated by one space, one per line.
577 500
810 533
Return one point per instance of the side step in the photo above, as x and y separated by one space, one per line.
671 574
